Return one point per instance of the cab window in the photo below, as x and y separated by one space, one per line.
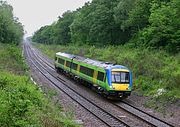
120 77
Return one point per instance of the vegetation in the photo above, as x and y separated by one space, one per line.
11 30
11 59
150 24
155 73
21 102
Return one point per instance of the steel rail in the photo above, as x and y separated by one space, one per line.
109 117
150 119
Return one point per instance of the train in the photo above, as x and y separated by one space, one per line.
109 79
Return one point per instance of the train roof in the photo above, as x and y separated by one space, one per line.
97 63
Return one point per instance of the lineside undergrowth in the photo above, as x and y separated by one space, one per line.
23 104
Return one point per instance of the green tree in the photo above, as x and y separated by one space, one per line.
11 30
62 28
95 24
138 16
164 29
58 32
81 24
146 23
121 12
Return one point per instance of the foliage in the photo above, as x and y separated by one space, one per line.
94 24
22 103
58 32
146 23
18 102
43 35
163 31
138 15
152 70
11 59
62 29
11 30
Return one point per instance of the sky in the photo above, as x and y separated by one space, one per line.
34 14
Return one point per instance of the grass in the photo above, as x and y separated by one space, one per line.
155 72
23 104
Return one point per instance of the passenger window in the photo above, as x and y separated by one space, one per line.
61 61
100 76
68 64
87 71
74 66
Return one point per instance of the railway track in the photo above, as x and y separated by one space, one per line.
143 115
97 111
39 61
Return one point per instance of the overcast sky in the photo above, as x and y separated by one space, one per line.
36 13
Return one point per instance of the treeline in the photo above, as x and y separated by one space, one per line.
11 30
139 23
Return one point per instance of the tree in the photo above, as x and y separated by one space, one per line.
164 29
138 15
62 28
58 32
81 25
11 30
143 23
121 12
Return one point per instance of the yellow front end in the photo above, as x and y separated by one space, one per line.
120 87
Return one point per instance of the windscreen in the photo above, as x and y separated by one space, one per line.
120 77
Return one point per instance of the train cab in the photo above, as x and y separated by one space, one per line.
120 81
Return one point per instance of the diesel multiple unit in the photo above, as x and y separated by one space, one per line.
109 79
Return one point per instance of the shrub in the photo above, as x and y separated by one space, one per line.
22 104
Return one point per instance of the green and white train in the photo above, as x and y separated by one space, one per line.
109 79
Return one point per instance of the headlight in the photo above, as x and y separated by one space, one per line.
112 87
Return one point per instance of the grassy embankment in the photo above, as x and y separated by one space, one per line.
155 73
21 102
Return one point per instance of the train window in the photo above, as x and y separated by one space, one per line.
120 77
68 64
86 71
61 61
55 58
74 66
100 76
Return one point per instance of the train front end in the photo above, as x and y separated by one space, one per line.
119 81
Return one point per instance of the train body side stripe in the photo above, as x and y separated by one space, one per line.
95 76
78 68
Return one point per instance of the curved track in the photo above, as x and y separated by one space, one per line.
46 67
97 111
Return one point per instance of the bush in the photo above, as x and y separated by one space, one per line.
11 59
19 101
22 104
